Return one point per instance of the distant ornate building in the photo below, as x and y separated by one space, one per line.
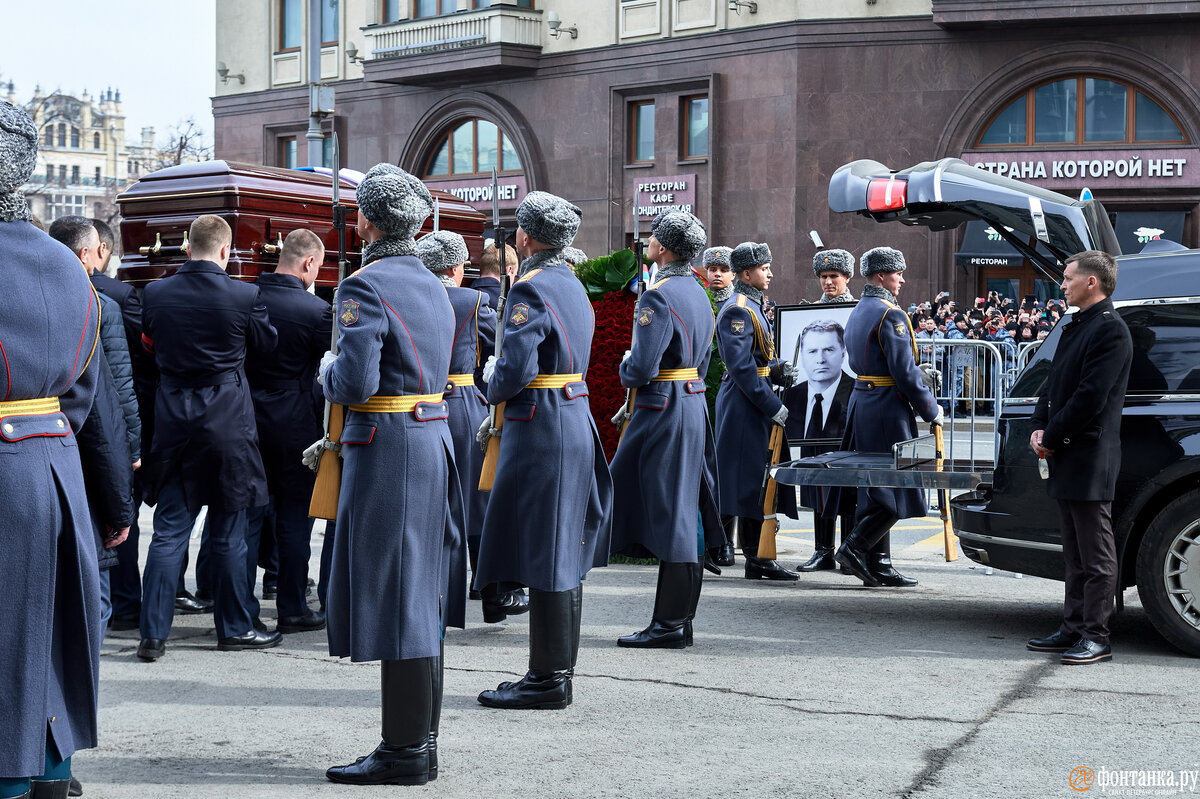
84 160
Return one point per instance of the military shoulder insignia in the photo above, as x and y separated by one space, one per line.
737 325
520 314
901 329
645 316
348 313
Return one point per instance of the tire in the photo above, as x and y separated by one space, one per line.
1168 586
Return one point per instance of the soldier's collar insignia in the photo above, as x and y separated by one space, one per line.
520 314
737 325
348 313
645 316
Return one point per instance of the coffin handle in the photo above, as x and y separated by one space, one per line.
274 249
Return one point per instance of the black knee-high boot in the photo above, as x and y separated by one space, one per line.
759 568
697 584
880 563
871 524
672 608
49 789
552 648
402 758
823 533
723 555
435 714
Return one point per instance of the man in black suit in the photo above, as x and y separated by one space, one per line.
1077 429
817 409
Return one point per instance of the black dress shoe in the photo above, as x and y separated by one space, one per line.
1086 652
313 620
724 555
1057 641
473 595
251 639
767 569
822 560
710 565
187 604
204 595
270 591
551 691
75 788
151 648
387 765
124 622
260 625
855 561
891 578
510 603
49 789
657 636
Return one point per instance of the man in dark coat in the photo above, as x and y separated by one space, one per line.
445 254
488 283
49 326
747 406
548 517
282 384
888 390
199 324
1077 429
661 479
392 591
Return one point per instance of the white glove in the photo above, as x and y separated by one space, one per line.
485 432
930 377
940 419
626 356
312 456
781 415
489 368
326 361
621 416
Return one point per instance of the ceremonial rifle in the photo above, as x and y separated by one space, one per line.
324 504
770 493
487 474
638 289
948 537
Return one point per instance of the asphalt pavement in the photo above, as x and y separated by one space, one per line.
820 688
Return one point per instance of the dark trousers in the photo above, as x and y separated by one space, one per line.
291 528
1090 555
326 563
173 524
126 578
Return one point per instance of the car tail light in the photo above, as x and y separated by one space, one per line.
886 194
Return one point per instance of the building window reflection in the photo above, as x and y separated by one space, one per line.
471 148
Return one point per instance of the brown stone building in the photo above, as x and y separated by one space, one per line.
741 114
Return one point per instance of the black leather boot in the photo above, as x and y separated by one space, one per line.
576 608
435 713
672 607
552 642
49 789
697 584
723 555
872 524
822 559
402 757
759 568
496 608
880 564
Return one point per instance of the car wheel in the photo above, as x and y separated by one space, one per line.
1168 572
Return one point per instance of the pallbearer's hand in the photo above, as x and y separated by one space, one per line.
485 432
783 374
931 377
312 456
621 416
940 419
489 368
781 415
326 361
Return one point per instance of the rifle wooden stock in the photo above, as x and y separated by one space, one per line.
487 475
324 503
770 525
630 399
949 539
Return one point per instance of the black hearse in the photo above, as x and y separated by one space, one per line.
1011 523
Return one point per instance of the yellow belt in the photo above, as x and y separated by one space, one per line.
30 407
553 381
877 380
402 404
462 380
671 375
764 371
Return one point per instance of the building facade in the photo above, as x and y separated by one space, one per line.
739 111
84 160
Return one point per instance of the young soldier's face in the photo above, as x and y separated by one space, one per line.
719 277
892 281
833 283
759 277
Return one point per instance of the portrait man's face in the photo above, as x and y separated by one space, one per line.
822 354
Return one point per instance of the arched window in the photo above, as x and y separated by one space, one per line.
473 148
62 134
95 141
1084 109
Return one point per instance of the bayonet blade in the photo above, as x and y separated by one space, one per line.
495 199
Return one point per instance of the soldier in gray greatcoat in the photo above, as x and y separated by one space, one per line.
662 480
397 577
548 516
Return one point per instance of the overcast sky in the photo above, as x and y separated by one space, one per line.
159 53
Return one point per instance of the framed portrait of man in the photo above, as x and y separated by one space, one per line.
813 339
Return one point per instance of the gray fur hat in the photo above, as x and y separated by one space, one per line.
549 219
833 261
717 256
574 256
394 201
442 250
748 255
18 147
881 259
680 232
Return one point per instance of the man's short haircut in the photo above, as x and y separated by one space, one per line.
208 234
1100 264
298 245
105 233
824 326
489 262
73 231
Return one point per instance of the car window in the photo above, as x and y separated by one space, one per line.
1166 347
1035 374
